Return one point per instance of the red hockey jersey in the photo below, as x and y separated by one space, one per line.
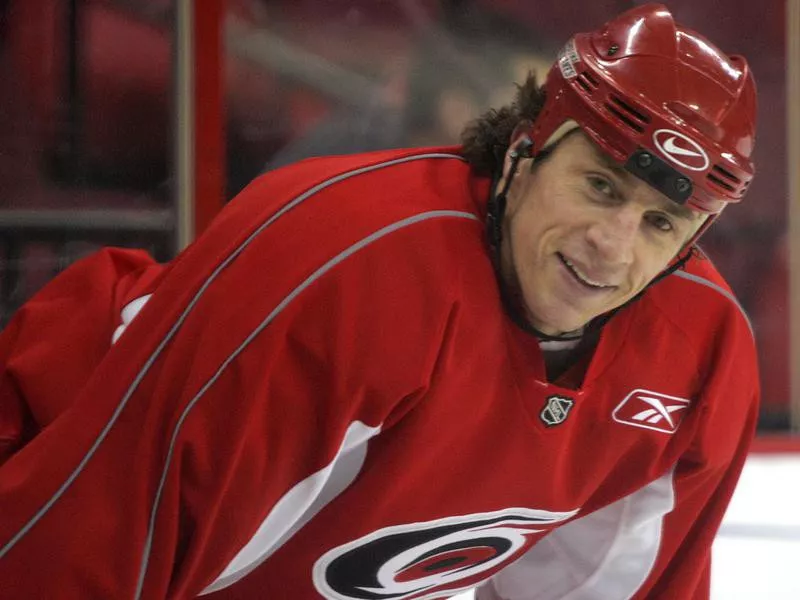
323 398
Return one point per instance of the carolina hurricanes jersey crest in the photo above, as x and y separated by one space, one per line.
424 560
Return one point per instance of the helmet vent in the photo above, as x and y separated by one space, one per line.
624 118
716 180
726 174
587 82
626 113
630 110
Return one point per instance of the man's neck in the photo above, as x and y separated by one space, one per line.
561 354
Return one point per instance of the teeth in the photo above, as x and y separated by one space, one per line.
581 276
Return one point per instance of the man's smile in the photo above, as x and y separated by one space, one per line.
582 277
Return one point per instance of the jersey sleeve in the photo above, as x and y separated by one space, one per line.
656 542
52 324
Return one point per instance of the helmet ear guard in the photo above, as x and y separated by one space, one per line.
663 102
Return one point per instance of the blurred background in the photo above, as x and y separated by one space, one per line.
130 122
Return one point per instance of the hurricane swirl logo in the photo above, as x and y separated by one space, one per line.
432 559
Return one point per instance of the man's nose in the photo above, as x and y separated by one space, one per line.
614 236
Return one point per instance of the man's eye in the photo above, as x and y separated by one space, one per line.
660 222
601 185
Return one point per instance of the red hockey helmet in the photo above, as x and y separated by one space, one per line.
661 100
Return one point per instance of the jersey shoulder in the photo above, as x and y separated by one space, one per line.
314 200
699 301
385 173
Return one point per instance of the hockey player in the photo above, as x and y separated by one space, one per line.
405 374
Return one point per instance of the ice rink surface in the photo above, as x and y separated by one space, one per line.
757 552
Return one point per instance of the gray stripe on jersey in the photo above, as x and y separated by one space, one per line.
275 312
717 288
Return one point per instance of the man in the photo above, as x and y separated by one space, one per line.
405 374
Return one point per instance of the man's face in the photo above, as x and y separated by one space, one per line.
583 236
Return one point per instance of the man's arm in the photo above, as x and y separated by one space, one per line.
67 323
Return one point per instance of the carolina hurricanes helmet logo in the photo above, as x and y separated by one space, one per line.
681 150
432 559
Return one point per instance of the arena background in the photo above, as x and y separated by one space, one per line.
131 122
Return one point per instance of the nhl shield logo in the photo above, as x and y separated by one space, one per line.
556 410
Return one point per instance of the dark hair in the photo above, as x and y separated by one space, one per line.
485 140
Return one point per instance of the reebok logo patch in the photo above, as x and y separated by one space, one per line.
651 410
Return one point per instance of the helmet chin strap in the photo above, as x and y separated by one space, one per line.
497 203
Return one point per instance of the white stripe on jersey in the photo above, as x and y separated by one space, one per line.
606 554
299 505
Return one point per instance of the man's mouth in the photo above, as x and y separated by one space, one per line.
582 277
